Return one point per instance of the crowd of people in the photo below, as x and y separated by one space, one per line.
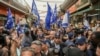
37 41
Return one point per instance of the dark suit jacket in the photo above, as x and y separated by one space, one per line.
49 53
33 35
61 50
73 52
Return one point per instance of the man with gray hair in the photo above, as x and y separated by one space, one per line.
27 51
37 45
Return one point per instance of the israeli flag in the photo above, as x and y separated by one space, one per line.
86 24
65 21
54 15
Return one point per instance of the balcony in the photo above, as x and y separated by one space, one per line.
16 5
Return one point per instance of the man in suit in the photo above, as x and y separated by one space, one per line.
45 49
27 51
58 46
37 45
33 33
76 51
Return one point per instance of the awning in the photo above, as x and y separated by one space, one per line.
82 11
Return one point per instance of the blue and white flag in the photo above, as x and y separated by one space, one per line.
10 21
54 15
86 24
59 22
65 21
35 11
48 18
19 29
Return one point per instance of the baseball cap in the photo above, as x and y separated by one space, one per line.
81 40
70 35
69 43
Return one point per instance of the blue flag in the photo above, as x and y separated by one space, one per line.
59 22
48 17
10 21
35 11
65 21
19 29
54 15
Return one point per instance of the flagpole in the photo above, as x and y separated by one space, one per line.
34 10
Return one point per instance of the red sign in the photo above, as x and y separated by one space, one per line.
72 9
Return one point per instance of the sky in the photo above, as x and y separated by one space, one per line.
42 6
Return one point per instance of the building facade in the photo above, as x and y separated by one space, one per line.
18 8
88 9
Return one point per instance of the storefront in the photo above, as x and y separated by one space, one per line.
78 9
